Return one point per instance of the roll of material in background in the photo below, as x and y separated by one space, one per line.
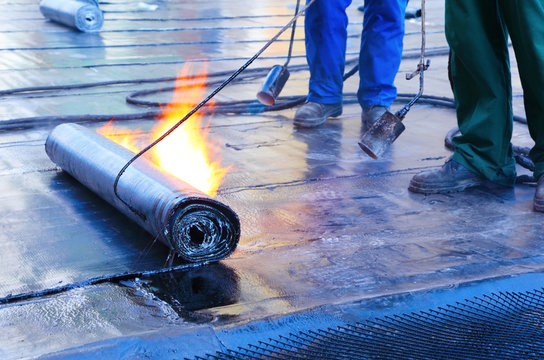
82 15
197 227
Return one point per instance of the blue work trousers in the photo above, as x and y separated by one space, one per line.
379 60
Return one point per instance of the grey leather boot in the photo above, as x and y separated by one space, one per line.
312 114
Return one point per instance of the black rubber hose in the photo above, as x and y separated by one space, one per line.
230 107
97 280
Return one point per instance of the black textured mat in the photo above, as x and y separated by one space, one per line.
505 325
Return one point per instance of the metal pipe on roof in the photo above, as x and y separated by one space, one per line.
83 15
195 226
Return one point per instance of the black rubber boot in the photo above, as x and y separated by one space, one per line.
538 202
313 114
452 177
370 115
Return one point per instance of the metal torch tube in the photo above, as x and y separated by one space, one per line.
195 226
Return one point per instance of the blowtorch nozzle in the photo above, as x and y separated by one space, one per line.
273 84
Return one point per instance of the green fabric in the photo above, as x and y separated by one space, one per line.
477 32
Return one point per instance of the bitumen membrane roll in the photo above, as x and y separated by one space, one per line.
195 226
82 15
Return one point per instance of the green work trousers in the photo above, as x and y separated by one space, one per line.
477 32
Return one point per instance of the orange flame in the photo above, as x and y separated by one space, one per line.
124 137
186 153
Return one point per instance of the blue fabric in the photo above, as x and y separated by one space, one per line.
381 50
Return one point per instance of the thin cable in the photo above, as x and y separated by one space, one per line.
257 71
202 103
421 67
97 280
292 37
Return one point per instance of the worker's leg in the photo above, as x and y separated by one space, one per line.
381 51
326 34
525 22
481 79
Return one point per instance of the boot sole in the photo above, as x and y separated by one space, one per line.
421 188
538 205
314 122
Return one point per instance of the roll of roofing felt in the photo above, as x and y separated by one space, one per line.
196 227
82 15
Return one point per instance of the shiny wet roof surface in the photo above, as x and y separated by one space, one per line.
322 224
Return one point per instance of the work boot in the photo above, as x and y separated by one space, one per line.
452 177
538 202
312 114
370 115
